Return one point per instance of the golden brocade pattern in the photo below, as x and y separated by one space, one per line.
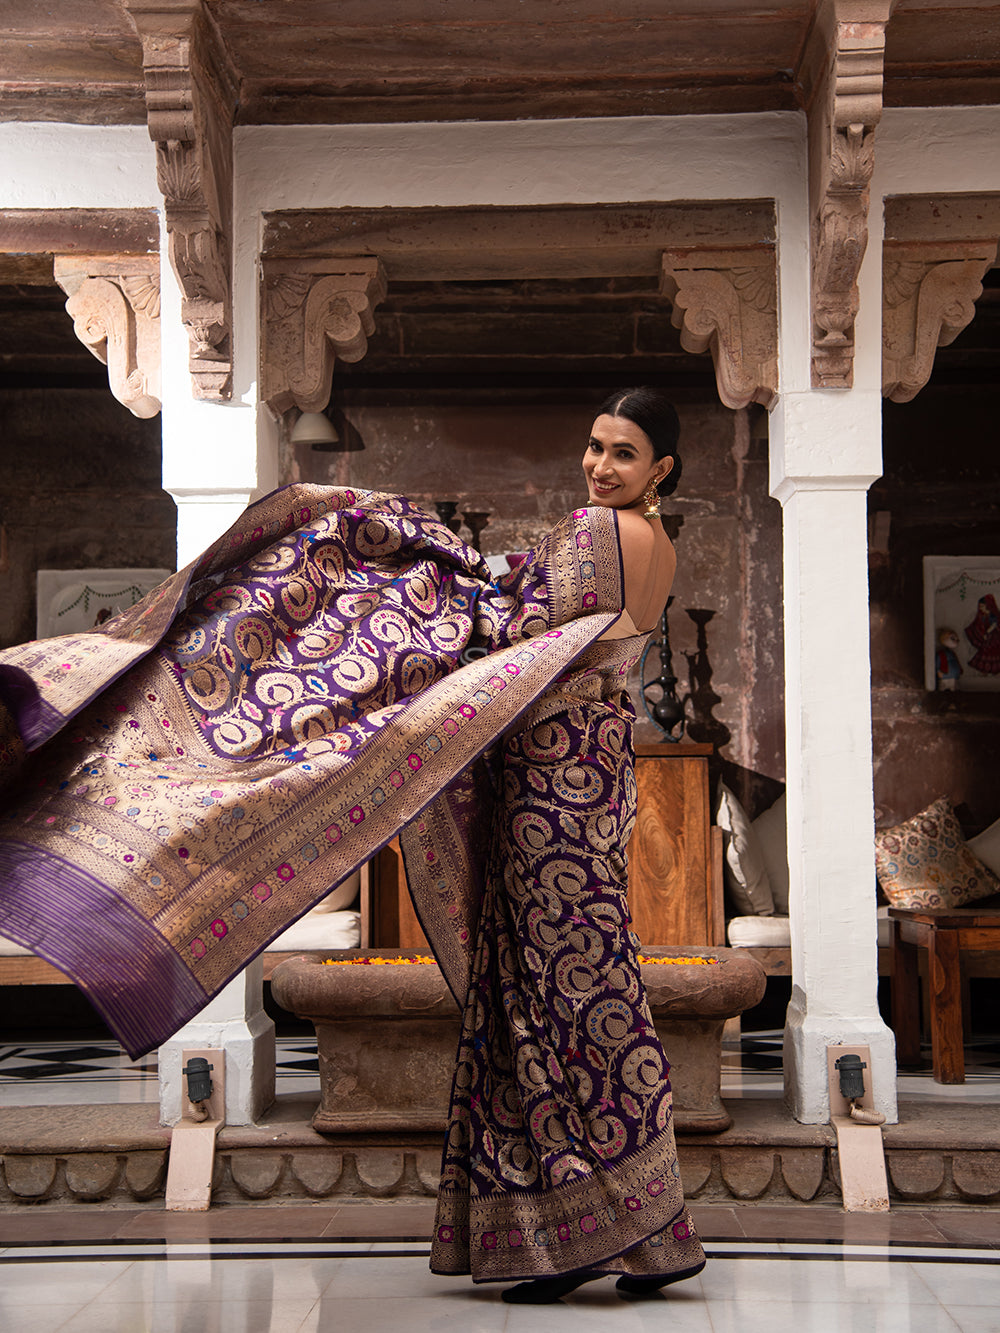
207 838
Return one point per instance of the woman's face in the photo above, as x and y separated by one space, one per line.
619 464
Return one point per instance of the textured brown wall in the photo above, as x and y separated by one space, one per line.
518 455
80 488
941 490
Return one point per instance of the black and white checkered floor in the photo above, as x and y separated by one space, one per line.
45 1073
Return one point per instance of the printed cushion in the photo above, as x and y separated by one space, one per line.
925 862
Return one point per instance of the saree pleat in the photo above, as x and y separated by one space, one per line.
560 1151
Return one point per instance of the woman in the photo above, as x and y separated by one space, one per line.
984 634
560 1163
193 775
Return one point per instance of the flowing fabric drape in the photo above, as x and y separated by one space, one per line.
189 778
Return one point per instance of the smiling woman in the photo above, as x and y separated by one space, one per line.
631 460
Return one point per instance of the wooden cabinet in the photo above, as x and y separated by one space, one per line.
675 865
675 862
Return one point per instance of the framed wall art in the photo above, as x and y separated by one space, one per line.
962 622
71 600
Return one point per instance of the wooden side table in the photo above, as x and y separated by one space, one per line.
675 867
944 932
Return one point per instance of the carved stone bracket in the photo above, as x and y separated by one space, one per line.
726 301
842 70
314 311
929 296
115 304
189 110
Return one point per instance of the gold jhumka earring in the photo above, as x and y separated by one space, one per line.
651 499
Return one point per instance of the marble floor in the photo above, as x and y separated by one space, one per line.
292 1268
362 1268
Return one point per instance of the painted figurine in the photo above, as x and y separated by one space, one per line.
946 664
984 635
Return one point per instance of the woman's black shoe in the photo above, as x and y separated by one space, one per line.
545 1290
636 1288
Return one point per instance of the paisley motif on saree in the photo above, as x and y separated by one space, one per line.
560 1150
209 764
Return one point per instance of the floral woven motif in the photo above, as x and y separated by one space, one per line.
204 768
924 862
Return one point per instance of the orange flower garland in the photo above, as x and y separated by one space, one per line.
371 960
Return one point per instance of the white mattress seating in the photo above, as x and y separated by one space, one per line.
331 924
755 866
774 932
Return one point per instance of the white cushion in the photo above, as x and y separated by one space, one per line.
772 835
773 932
8 949
746 878
320 930
762 932
985 847
340 897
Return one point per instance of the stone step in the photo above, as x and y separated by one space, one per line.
59 1155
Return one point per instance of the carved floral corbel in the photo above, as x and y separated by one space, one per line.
928 297
188 107
843 74
115 304
314 312
726 302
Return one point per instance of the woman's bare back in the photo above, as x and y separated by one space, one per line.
649 562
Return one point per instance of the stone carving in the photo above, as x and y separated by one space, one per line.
314 312
842 71
726 301
188 106
929 293
115 304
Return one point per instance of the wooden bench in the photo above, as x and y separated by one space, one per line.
954 938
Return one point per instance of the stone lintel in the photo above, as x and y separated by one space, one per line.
313 313
189 105
64 231
551 241
725 301
842 74
115 304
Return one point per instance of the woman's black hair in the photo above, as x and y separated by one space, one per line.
654 413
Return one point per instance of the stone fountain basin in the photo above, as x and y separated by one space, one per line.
387 1036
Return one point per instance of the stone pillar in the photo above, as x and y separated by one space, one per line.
234 1023
825 453
210 467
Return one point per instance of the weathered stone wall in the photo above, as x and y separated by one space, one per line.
517 453
941 491
81 488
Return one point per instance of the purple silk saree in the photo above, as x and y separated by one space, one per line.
202 769
339 668
560 1151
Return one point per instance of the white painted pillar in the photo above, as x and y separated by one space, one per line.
825 452
210 468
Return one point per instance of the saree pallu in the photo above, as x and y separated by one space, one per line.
203 769
560 1150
